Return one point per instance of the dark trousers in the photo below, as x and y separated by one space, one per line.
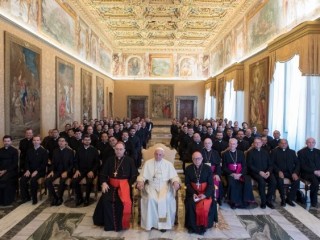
271 180
294 187
61 188
314 187
24 182
77 187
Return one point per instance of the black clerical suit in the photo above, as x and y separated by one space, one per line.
8 181
219 146
243 145
24 145
174 130
62 161
36 160
259 160
310 162
286 161
87 160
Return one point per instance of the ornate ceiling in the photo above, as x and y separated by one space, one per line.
163 24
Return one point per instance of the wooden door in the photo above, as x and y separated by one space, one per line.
137 108
186 109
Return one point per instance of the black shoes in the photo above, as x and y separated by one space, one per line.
86 202
59 202
290 203
56 202
283 203
25 200
162 230
263 205
314 205
34 201
79 201
270 205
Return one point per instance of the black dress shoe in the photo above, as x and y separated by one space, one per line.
283 203
314 205
270 205
54 202
233 206
79 202
59 202
290 202
263 205
163 230
25 200
86 202
34 201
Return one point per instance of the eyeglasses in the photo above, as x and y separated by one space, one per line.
197 159
119 149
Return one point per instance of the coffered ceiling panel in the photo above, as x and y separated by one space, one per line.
164 23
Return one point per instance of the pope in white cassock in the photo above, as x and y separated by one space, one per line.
158 182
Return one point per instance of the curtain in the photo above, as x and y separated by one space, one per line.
229 101
209 106
294 104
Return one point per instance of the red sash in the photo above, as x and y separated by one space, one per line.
124 194
203 206
215 183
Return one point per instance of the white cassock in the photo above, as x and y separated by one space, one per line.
158 204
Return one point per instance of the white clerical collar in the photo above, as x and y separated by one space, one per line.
258 149
86 147
283 149
36 148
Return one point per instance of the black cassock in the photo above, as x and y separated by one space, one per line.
190 205
109 210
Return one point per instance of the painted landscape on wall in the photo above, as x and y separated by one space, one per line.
22 84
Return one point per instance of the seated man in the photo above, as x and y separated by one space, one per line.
8 171
87 163
240 192
286 165
260 168
309 158
158 181
35 168
113 210
61 167
199 202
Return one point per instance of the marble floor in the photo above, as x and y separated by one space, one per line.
42 221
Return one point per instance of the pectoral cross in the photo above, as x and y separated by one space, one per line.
198 185
235 166
115 174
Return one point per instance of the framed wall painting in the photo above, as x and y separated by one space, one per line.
162 101
65 92
259 93
100 97
86 94
161 65
23 86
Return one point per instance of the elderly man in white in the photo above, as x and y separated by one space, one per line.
159 182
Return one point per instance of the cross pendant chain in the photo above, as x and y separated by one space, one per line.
115 173
198 185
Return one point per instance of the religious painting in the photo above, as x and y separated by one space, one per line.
93 47
117 64
228 49
259 93
239 41
100 97
22 86
220 92
134 66
263 25
58 21
83 39
205 66
104 58
65 92
186 67
217 58
26 11
162 101
86 94
161 65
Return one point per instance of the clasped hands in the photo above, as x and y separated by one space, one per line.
175 185
294 176
265 175
236 176
199 197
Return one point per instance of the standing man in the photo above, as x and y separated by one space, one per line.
87 164
24 145
199 205
36 162
8 171
158 182
309 158
113 210
61 167
286 165
260 168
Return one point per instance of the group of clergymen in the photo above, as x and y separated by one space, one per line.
91 150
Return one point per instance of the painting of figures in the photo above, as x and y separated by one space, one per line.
93 47
100 98
25 10
186 67
162 101
161 65
104 58
86 94
221 90
258 93
83 39
58 21
134 66
22 86
65 92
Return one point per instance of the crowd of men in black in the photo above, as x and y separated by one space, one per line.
268 160
77 152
